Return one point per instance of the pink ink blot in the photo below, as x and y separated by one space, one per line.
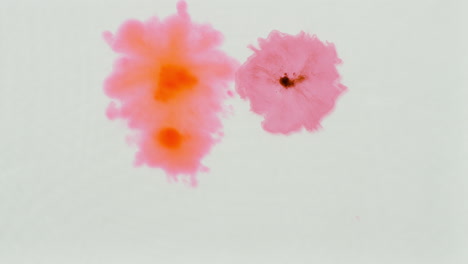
169 83
292 81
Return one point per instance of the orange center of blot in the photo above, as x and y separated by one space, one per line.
172 80
169 138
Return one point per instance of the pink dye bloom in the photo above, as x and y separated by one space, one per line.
291 80
169 83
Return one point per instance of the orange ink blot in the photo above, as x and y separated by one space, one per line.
173 79
170 138
170 76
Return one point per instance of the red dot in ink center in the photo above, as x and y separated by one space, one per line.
170 138
172 80
287 82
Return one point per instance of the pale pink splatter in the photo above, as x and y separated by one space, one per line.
291 80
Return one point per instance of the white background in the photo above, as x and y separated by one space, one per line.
382 182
